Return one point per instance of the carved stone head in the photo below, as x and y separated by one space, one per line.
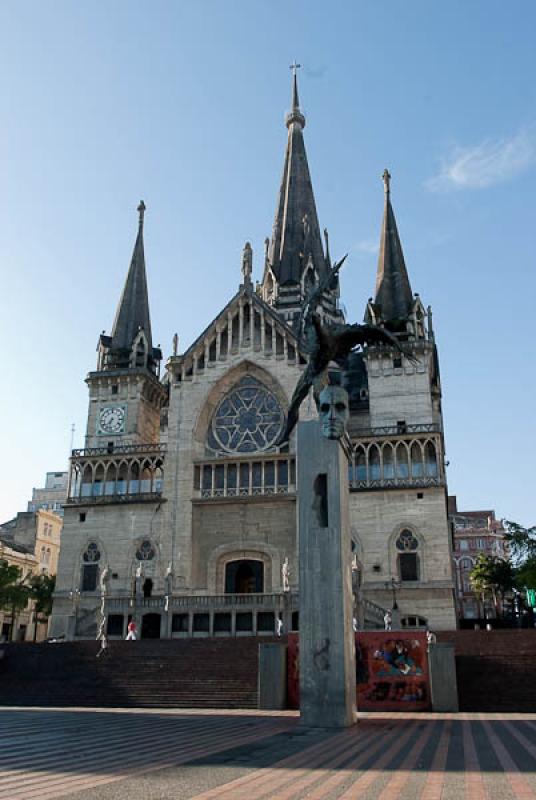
334 411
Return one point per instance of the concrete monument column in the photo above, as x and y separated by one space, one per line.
327 648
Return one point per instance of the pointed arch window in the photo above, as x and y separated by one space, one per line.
408 560
374 463
388 462
402 465
430 458
360 465
90 568
417 470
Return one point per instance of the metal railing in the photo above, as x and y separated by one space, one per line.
120 449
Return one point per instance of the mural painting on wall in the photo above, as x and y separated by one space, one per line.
391 671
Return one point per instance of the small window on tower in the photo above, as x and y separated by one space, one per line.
397 362
401 426
115 388
83 516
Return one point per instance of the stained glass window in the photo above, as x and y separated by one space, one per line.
248 419
407 541
92 553
145 552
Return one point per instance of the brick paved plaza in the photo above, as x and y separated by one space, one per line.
229 755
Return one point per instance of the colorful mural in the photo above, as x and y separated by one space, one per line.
391 671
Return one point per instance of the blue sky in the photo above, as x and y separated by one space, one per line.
182 104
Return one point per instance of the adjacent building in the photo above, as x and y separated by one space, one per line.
181 505
475 533
17 624
53 495
31 540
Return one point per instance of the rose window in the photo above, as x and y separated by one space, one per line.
248 419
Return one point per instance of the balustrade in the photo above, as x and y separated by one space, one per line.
396 463
263 475
116 474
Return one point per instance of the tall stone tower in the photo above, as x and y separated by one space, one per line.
125 391
398 481
115 488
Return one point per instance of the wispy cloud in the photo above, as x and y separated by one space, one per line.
492 161
367 246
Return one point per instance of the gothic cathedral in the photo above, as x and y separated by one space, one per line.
182 508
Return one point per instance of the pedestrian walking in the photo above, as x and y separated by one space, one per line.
131 631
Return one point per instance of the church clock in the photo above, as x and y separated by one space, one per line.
112 420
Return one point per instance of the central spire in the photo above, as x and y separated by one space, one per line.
296 241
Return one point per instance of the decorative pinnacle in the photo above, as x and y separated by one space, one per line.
386 178
295 114
141 212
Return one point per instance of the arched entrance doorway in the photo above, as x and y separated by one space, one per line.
150 626
244 577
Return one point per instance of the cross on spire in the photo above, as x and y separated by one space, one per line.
295 114
141 211
386 178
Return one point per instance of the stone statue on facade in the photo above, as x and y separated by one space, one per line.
285 575
326 343
247 263
104 578
138 579
169 579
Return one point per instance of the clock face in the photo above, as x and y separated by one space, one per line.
112 419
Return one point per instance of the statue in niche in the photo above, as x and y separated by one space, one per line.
326 343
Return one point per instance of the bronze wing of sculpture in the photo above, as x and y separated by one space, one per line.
325 344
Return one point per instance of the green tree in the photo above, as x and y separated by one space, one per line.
9 576
41 591
521 542
14 591
492 575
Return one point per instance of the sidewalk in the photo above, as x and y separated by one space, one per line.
199 755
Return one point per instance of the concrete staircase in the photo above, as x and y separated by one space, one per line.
202 673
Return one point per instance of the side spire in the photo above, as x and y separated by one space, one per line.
394 298
296 239
130 343
133 310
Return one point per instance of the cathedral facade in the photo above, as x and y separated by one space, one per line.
182 507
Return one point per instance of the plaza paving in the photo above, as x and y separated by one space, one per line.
199 755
